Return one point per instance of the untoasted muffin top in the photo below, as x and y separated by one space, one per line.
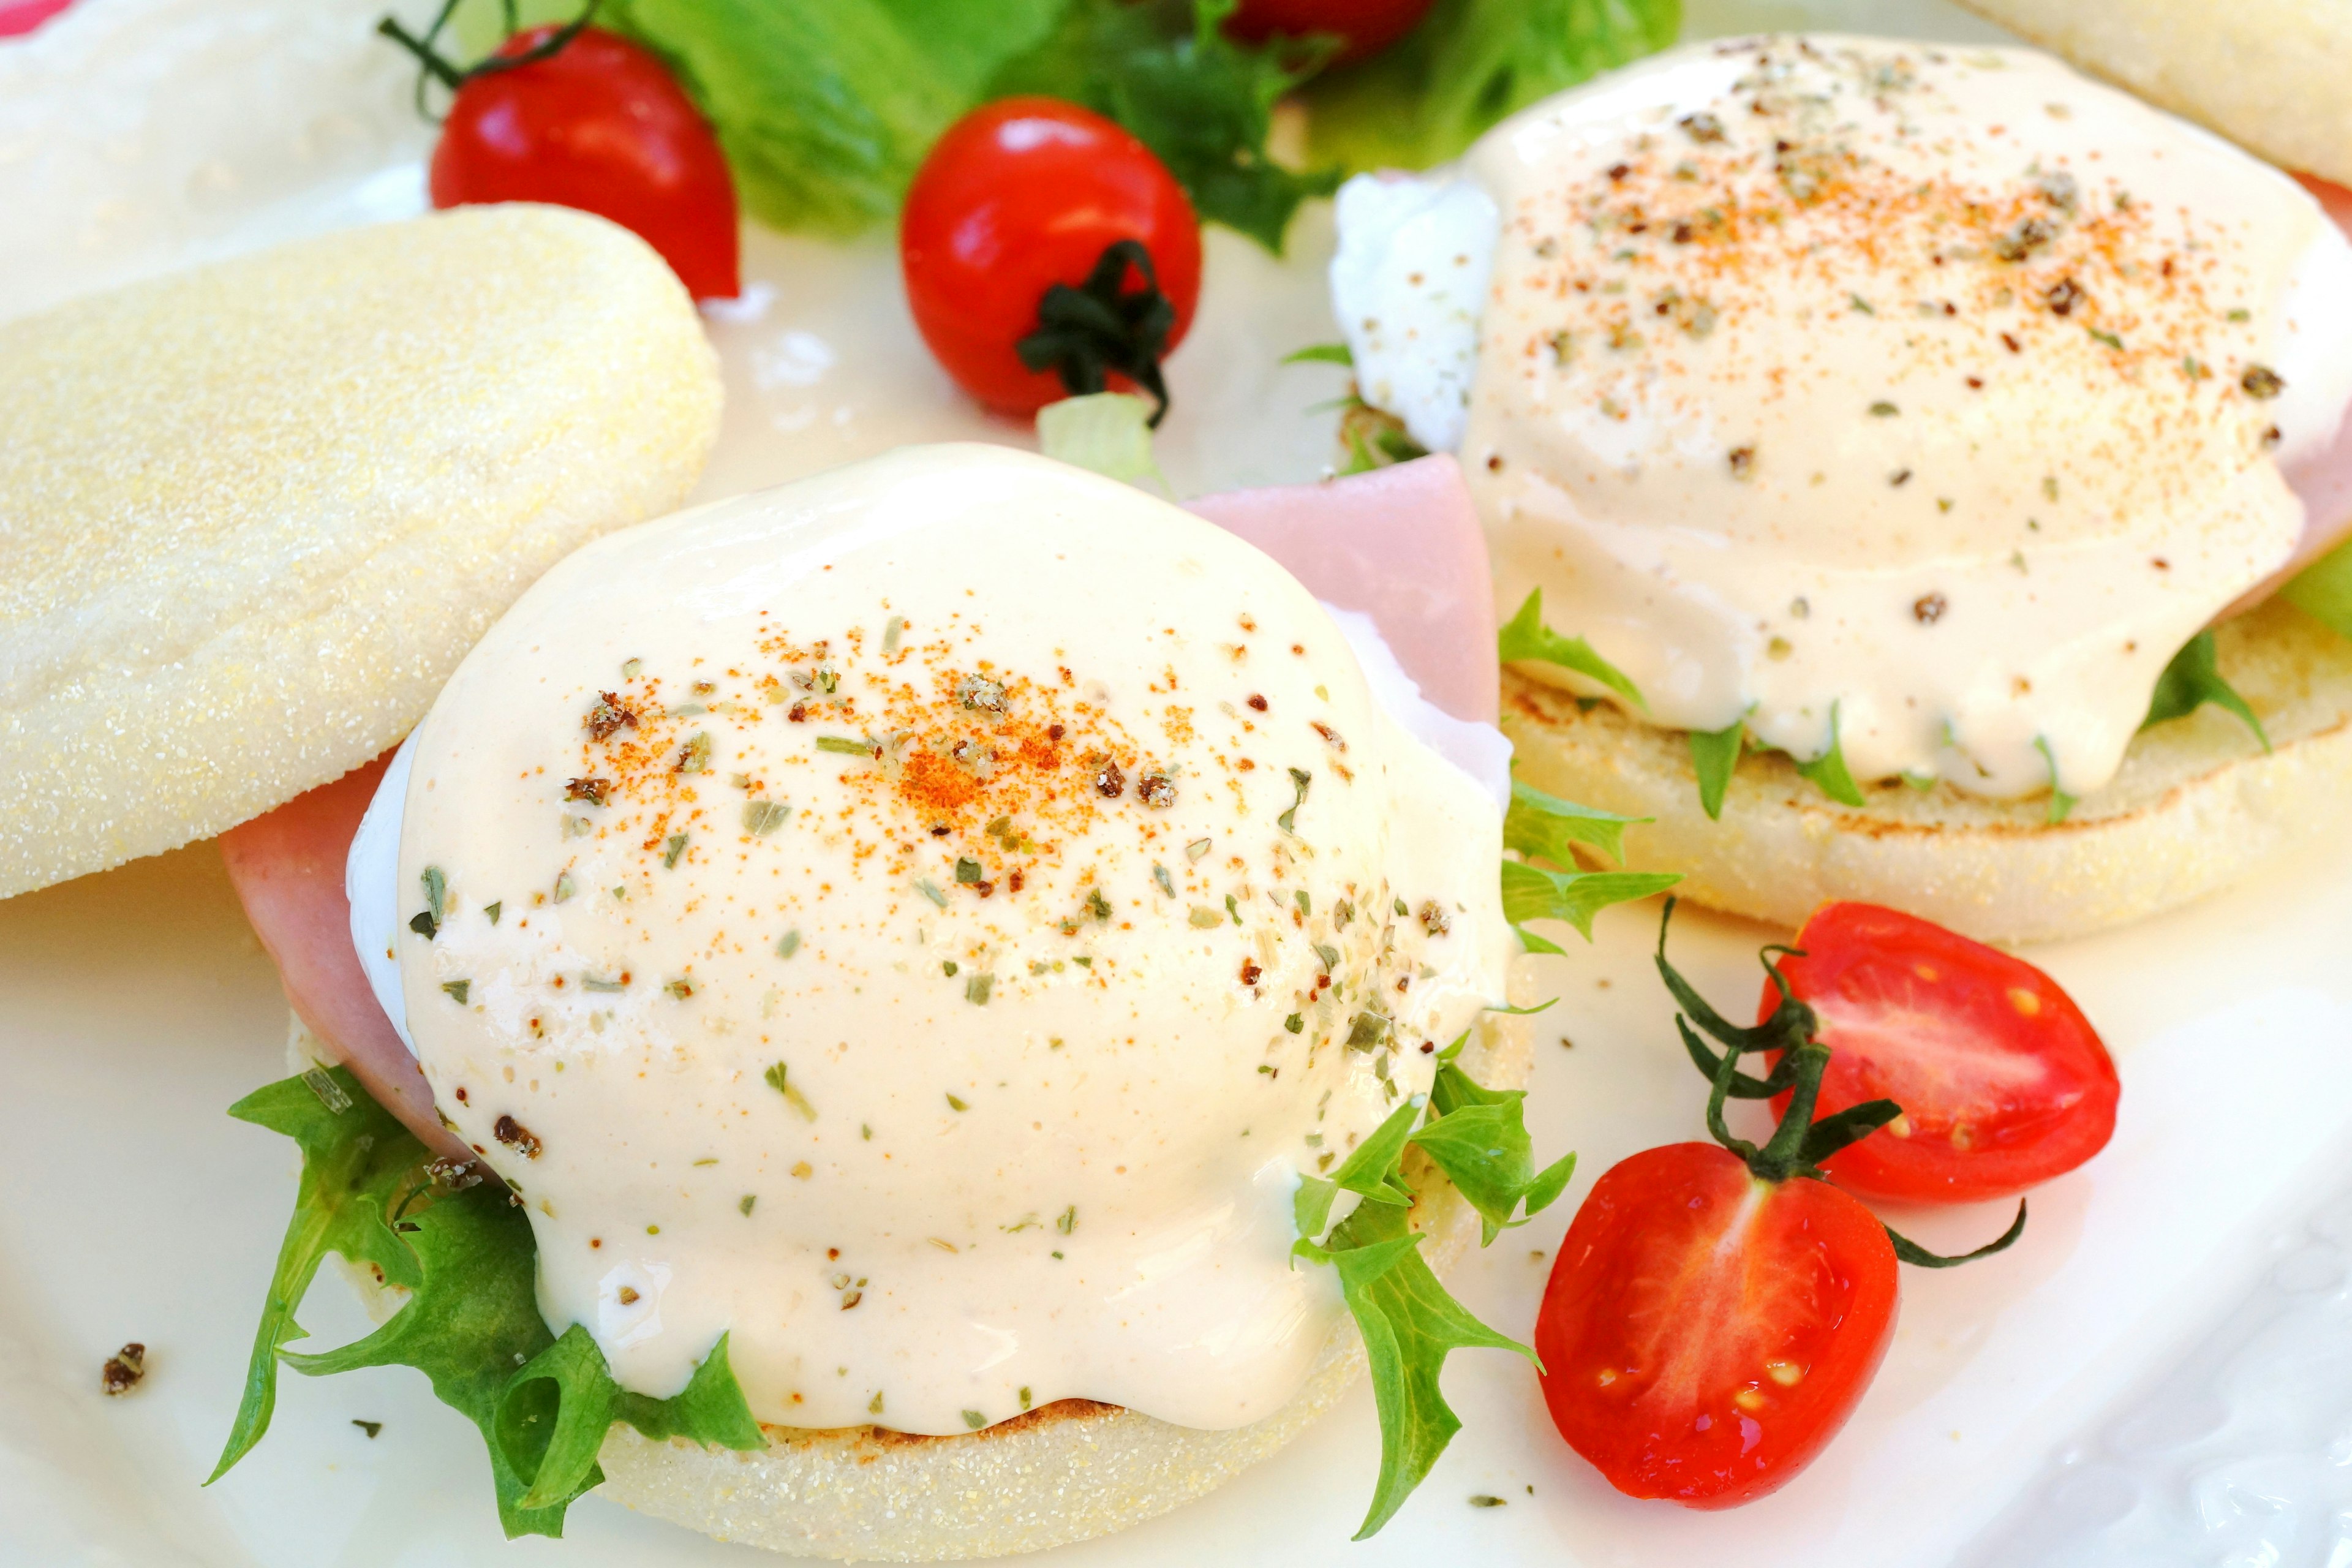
252 515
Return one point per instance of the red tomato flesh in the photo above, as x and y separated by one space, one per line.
1017 196
601 126
1366 27
1704 1333
2003 1083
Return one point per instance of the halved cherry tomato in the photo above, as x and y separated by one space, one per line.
1366 27
1021 195
1706 1331
1717 1310
2003 1083
599 125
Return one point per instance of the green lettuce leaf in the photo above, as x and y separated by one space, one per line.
2323 590
370 1192
553 1413
1716 755
1372 1172
1525 636
1469 64
1374 437
1828 771
1322 353
2061 803
1478 1136
1409 1320
1164 69
825 108
357 1159
2192 679
1108 433
1532 893
1544 826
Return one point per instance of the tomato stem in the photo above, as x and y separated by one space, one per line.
1855 1122
1799 1143
1742 1084
1910 1251
1727 1072
1083 334
1783 1156
433 67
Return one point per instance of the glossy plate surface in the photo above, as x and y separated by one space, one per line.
2154 1374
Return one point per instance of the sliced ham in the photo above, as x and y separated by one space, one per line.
288 869
1403 545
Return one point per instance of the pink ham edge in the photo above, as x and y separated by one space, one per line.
1403 545
288 869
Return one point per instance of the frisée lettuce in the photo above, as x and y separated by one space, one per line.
1478 1138
1468 65
464 1252
461 1248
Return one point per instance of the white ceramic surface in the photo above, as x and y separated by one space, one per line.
2154 1374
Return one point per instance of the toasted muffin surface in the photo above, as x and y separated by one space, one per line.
1067 1472
1071 1471
252 515
2198 803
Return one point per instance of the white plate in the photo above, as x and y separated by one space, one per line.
2073 1397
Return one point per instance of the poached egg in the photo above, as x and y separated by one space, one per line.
923 921
1915 401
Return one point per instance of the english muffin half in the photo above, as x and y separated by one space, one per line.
251 515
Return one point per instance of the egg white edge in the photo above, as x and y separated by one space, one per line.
371 883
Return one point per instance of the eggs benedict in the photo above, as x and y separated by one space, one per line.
906 982
913 918
1910 414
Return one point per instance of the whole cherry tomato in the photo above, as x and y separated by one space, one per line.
1705 1332
2003 1083
1030 197
1366 27
598 124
